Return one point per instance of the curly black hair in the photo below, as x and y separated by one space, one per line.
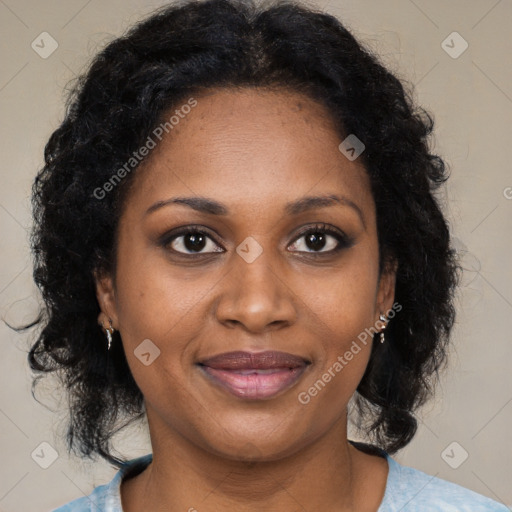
195 46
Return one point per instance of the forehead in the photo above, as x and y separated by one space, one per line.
250 147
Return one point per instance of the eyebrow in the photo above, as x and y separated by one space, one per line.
210 206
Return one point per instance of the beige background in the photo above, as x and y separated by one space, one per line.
471 98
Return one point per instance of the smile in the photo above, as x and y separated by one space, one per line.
254 376
254 384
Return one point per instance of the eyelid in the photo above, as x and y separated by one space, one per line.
167 238
344 241
321 227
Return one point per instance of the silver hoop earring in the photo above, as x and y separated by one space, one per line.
109 331
383 318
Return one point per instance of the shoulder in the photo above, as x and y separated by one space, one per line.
107 497
95 501
411 490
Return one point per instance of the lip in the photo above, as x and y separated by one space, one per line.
254 375
242 360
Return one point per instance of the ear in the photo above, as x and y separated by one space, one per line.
105 294
386 290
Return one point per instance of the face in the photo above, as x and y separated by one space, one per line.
267 271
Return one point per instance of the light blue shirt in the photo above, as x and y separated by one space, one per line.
407 490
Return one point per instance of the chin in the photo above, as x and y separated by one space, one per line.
253 451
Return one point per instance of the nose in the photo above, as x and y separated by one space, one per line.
256 296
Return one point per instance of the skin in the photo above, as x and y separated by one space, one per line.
253 150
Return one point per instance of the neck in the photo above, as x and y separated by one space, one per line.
327 474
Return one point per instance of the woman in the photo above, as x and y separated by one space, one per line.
236 236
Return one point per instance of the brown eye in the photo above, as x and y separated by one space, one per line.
320 239
191 241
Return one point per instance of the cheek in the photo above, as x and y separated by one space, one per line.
343 313
154 300
343 301
154 305
158 318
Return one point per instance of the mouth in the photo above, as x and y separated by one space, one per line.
254 375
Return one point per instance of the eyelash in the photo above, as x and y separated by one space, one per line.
343 240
